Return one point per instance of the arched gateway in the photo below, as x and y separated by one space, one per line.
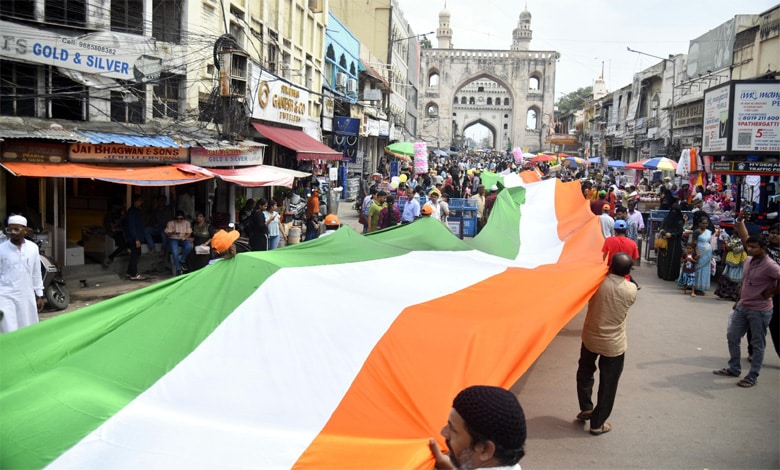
511 92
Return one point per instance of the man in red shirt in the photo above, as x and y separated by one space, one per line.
619 244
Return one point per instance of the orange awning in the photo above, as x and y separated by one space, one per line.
163 175
306 147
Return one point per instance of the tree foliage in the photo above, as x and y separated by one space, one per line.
574 99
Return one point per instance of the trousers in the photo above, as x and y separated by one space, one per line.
609 369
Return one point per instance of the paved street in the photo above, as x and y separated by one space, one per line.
671 411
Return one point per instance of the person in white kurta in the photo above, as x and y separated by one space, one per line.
21 284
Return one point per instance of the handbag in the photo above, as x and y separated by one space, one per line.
660 242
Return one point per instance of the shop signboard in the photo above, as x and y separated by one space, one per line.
716 115
107 53
746 168
227 156
35 152
116 153
756 117
275 99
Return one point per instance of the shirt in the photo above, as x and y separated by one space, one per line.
411 210
619 244
604 331
759 274
20 283
178 229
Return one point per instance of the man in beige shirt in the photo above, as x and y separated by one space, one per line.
604 334
178 232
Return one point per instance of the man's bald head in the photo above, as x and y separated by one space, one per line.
621 264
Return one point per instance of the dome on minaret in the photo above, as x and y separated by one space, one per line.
521 36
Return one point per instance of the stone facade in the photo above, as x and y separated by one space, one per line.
522 80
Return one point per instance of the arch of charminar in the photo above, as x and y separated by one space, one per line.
511 92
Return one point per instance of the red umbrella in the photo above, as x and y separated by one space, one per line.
564 155
640 165
544 158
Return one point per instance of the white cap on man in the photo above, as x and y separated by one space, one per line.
17 220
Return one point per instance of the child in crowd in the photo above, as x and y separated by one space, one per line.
313 227
688 271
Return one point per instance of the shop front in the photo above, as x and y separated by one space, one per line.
66 189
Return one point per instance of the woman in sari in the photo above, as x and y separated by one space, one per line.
668 266
702 235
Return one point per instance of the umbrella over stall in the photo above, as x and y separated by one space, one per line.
402 150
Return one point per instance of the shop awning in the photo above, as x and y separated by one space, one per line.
306 147
163 175
250 176
132 140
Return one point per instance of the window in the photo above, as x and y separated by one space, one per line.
530 119
506 126
18 89
433 80
20 9
127 16
489 100
66 12
237 31
166 20
480 89
455 100
166 96
462 100
432 110
533 84
472 100
127 106
506 101
67 99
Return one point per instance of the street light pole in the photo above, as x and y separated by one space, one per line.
674 77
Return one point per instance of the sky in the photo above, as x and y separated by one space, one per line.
585 32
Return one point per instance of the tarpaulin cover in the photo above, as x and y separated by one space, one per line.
163 175
250 176
325 354
306 147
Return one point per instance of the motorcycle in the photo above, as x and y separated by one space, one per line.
54 289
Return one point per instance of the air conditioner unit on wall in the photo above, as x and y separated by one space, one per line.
351 85
341 80
315 6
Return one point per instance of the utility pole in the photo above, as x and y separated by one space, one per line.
674 77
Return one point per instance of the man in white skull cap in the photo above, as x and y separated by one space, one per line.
21 285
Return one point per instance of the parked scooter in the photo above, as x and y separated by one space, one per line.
54 289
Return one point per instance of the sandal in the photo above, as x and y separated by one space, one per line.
605 428
584 415
745 383
725 372
138 277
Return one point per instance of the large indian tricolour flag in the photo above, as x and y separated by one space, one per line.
341 352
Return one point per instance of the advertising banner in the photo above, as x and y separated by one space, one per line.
273 99
716 115
756 117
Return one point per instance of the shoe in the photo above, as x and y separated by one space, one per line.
184 269
584 415
107 262
138 277
605 428
698 292
725 372
746 383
